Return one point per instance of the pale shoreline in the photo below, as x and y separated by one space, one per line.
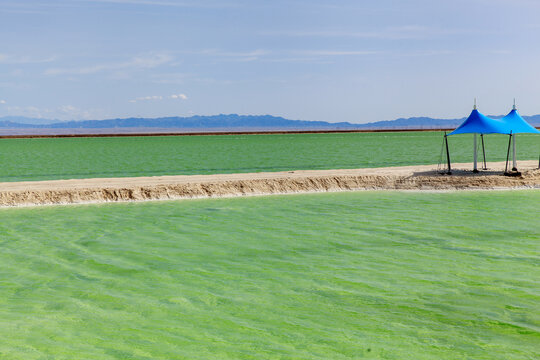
416 178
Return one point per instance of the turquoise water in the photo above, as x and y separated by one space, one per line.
375 275
43 159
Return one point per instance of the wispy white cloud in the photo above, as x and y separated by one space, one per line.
277 56
322 56
14 59
392 33
300 60
170 3
252 53
139 62
263 55
426 53
45 7
73 112
146 98
239 56
336 52
159 97
325 56
179 96
63 112
388 33
3 102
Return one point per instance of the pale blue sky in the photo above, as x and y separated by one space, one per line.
356 61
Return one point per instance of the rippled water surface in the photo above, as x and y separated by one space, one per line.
382 275
70 158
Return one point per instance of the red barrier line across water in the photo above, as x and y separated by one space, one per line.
271 132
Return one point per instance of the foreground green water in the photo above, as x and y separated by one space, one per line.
327 276
44 159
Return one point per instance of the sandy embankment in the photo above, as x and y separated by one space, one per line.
423 177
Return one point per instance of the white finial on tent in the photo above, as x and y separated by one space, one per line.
514 108
474 108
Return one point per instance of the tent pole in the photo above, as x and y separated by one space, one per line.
449 172
483 151
508 153
514 160
475 169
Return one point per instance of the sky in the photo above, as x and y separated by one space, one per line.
356 61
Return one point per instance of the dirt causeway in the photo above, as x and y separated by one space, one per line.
421 177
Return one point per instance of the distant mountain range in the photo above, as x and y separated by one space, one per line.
192 122
232 121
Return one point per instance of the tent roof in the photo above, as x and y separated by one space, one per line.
517 124
478 123
481 124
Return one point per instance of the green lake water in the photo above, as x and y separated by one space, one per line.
43 159
374 275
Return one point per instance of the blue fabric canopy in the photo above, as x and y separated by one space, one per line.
481 124
478 123
515 123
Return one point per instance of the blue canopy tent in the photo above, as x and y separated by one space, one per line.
478 123
515 124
